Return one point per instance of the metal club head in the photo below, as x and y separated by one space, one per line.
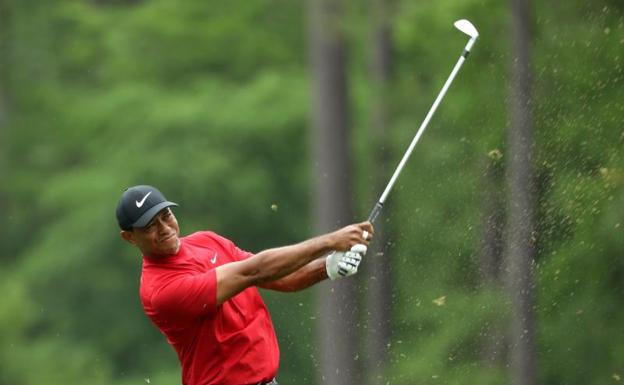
466 27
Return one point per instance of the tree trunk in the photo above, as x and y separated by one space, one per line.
520 242
377 263
4 147
493 222
491 256
333 204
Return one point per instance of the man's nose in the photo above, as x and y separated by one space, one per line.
162 226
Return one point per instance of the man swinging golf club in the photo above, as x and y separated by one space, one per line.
201 290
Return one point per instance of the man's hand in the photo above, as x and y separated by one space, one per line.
343 264
348 237
355 239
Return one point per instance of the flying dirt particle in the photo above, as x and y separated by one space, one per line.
274 207
495 154
440 301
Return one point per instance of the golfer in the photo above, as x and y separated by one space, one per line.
201 290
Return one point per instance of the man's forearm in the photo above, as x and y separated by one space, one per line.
303 278
274 264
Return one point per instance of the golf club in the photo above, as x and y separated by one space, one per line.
466 27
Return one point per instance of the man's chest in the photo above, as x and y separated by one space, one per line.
204 258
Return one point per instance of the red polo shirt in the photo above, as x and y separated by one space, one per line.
231 344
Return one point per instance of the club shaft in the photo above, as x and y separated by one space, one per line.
379 205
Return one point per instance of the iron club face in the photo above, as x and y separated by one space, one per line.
466 27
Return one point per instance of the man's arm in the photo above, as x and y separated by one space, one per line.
303 278
335 265
273 264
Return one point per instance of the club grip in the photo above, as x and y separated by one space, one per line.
375 212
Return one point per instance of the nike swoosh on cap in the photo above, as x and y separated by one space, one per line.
140 203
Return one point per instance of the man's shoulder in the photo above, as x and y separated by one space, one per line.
206 238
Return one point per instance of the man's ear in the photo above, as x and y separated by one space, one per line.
128 236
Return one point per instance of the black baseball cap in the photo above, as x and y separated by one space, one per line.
138 205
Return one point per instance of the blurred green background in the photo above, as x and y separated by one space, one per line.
211 102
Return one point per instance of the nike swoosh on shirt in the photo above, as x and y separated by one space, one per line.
213 260
140 203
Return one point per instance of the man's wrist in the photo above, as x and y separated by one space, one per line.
327 243
331 265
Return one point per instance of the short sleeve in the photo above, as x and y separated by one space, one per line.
187 296
236 253
242 254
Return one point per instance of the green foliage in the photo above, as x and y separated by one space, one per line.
209 101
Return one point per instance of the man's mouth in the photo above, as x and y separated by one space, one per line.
166 238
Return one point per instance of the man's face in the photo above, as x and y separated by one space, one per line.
159 238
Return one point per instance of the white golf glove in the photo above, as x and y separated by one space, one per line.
344 263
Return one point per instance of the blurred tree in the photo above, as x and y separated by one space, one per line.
491 254
493 220
332 185
521 237
3 108
378 263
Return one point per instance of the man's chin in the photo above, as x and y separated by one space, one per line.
173 245
170 246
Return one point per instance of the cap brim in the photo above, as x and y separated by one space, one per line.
149 214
